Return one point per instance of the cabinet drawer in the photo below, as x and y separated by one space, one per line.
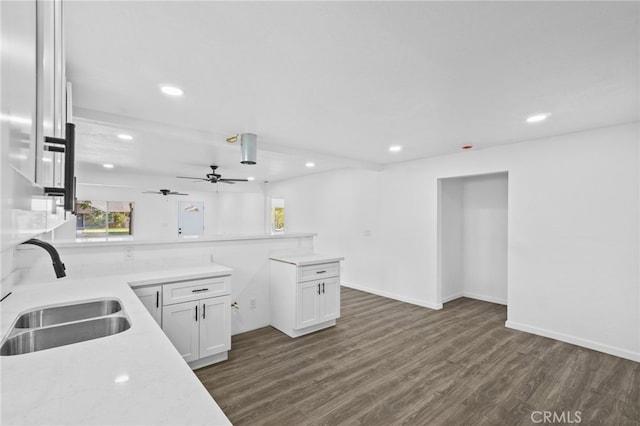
314 272
186 291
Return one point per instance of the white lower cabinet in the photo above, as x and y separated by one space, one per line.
318 301
182 328
215 326
329 301
151 298
308 308
200 329
304 297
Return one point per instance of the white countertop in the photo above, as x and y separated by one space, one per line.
307 259
132 378
176 274
183 240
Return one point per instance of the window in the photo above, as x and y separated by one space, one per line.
104 220
277 215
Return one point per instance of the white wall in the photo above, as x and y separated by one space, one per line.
450 237
248 258
345 207
156 216
573 265
484 237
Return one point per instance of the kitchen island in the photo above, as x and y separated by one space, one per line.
132 378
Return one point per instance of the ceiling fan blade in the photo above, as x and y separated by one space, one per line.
233 180
177 193
151 192
226 181
187 177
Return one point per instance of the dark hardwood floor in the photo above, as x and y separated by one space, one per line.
391 363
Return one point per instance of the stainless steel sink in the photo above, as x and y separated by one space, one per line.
67 313
63 325
61 335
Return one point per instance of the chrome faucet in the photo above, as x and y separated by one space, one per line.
58 266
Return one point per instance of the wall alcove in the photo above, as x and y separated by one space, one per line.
473 236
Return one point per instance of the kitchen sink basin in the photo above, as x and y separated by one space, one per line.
66 334
67 313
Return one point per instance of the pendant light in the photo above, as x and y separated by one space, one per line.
248 147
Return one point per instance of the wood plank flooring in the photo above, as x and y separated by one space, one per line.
392 363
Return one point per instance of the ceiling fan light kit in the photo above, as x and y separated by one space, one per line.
213 177
164 192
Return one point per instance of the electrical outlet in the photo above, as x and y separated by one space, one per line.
252 303
128 253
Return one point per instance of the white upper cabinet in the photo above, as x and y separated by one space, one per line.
18 101
32 106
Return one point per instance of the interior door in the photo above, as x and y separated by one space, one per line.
190 218
180 324
307 306
215 327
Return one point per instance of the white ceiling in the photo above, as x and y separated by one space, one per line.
338 82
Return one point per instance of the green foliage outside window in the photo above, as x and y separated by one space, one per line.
278 218
103 219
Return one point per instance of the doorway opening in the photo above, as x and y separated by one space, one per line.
473 237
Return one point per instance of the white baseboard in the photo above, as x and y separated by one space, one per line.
405 299
611 350
490 299
455 296
484 298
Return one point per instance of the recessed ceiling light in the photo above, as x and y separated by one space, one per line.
125 137
251 178
122 379
172 90
466 146
395 148
310 164
108 166
537 118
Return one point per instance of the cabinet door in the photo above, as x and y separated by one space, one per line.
180 323
215 325
51 111
46 91
18 72
307 309
151 298
329 299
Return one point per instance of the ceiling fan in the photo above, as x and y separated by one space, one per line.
164 192
214 177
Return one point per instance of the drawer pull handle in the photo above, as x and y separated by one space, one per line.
196 313
199 290
320 272
157 299
204 307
